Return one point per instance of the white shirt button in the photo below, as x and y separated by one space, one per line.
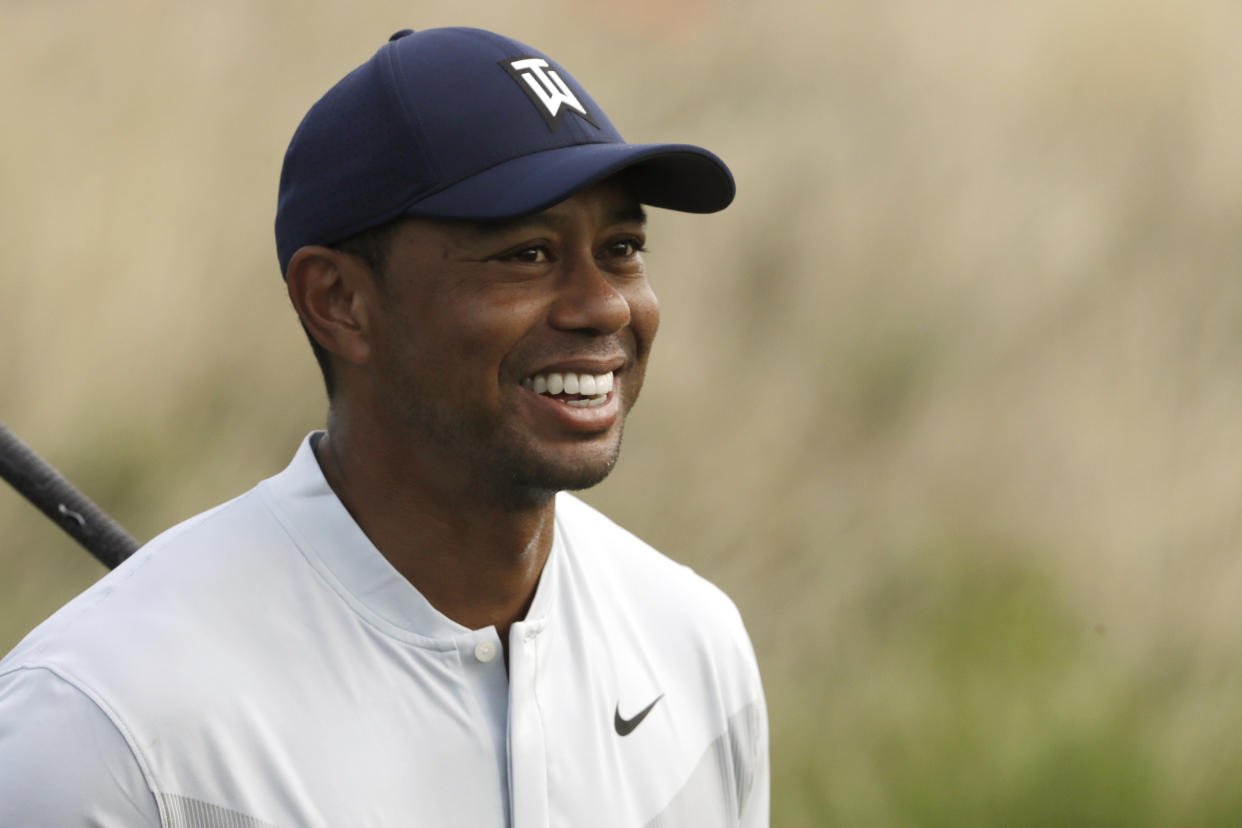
485 651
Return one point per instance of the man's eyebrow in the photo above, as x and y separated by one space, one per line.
631 212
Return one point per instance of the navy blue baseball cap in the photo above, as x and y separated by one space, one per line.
462 123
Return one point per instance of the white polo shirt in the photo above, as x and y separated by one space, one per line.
263 664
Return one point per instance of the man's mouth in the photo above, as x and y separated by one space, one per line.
578 390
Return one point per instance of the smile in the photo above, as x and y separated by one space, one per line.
578 390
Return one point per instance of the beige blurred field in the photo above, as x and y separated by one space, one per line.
948 400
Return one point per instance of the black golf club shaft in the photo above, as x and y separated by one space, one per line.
57 498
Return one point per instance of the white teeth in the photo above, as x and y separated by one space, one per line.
588 402
593 387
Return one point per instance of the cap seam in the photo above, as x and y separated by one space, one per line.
412 120
482 170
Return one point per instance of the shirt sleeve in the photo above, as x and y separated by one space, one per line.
749 730
63 763
755 796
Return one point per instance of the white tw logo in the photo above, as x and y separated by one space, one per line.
546 89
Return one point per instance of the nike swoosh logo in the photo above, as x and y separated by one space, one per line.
626 726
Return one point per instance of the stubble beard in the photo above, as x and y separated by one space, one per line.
522 477
501 464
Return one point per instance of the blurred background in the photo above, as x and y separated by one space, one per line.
947 400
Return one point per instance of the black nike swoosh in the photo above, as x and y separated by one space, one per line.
626 726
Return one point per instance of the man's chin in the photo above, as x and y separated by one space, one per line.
573 478
539 478
585 478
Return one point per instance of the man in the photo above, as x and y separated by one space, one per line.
413 624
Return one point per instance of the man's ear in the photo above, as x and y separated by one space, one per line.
332 293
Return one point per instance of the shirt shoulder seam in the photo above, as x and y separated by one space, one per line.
113 718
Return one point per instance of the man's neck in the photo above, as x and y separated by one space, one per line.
475 560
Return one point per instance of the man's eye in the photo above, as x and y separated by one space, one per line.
529 255
626 248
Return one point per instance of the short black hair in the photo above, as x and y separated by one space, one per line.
371 247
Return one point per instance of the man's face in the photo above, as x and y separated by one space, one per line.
481 324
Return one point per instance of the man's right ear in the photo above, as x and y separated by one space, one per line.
332 293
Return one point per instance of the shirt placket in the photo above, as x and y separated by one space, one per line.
483 670
528 766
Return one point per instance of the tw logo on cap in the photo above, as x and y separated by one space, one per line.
550 94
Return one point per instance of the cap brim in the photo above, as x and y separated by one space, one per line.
673 176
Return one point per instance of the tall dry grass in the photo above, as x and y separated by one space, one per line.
947 400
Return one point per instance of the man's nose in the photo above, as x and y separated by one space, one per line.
588 299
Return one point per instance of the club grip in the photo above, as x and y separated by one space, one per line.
68 508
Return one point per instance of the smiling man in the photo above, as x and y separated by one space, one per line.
414 623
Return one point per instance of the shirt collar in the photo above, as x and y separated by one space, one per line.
340 551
